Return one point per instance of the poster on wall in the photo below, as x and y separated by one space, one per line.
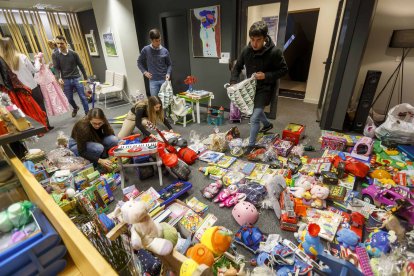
110 46
272 23
92 48
206 31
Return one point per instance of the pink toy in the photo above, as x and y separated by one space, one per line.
363 148
212 190
303 184
244 212
319 194
225 193
233 200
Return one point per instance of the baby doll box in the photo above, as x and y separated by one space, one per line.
293 132
333 142
41 252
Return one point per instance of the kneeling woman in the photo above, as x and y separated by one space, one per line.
143 111
92 137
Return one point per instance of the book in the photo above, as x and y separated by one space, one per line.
226 161
150 197
189 223
156 211
177 212
210 156
258 172
328 222
196 205
243 166
208 222
162 216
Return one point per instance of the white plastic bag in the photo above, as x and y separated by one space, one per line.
369 129
242 94
399 125
166 94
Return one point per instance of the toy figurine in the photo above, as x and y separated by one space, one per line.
319 194
311 243
233 200
379 242
347 238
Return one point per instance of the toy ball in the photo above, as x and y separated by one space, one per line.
188 267
244 213
201 254
70 192
381 174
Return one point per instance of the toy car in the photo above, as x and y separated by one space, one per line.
288 219
393 196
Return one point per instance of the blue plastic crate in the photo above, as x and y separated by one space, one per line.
174 195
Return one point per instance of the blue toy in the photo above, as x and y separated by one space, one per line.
299 265
338 266
215 116
312 244
378 242
250 237
347 238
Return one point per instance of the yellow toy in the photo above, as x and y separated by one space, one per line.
381 174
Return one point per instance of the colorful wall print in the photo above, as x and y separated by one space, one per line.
110 45
206 31
272 24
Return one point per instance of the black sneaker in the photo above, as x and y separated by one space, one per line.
49 128
75 112
266 129
248 150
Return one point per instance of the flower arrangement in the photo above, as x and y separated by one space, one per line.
190 80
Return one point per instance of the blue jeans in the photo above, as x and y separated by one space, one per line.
68 86
257 117
155 86
95 150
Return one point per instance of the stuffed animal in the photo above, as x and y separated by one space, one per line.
392 223
319 194
347 238
379 242
212 190
311 243
225 193
303 184
145 232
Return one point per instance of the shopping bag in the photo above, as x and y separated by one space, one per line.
242 94
166 94
398 126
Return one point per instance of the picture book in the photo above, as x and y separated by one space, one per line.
327 220
226 161
347 182
162 216
211 156
243 166
258 172
196 205
177 212
208 221
189 224
150 197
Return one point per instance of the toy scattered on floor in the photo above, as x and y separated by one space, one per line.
288 219
347 238
379 242
173 191
310 240
363 148
212 189
294 133
234 114
245 213
275 186
250 237
215 116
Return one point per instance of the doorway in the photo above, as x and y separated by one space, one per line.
174 28
299 37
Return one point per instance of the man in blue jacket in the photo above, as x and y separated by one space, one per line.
262 58
155 63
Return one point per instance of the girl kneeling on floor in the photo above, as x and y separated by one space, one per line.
92 137
146 110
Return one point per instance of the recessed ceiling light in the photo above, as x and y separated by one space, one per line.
40 6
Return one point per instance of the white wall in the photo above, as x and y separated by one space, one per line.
389 16
323 35
255 13
116 16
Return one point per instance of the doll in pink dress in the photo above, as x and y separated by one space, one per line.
55 100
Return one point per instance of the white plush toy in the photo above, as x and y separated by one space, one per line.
302 185
145 233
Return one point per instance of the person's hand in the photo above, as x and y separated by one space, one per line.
167 77
148 75
105 163
260 76
61 82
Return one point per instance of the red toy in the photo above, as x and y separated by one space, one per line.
288 219
352 166
357 224
293 133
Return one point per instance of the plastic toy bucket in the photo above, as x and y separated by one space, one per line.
374 222
313 229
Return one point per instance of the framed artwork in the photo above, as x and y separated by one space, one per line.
90 41
110 46
206 31
272 24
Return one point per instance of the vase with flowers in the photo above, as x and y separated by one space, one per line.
190 81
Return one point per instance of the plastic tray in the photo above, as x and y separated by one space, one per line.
169 188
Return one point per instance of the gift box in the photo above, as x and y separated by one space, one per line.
283 147
333 142
293 132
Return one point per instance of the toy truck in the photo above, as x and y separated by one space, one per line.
288 219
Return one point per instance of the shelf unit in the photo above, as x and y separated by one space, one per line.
83 258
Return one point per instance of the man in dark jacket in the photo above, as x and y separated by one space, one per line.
262 58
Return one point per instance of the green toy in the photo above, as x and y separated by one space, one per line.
396 161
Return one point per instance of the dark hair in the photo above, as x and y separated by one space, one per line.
154 34
60 37
97 113
258 28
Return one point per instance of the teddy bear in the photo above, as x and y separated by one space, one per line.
303 184
319 194
145 232
348 238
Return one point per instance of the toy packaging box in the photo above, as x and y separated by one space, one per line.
283 147
333 142
293 132
189 224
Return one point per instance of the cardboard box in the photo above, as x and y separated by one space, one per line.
293 132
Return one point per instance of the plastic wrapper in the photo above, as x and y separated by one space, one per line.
56 154
392 263
236 146
71 163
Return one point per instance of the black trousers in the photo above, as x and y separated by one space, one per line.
38 97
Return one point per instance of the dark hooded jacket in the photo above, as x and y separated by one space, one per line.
268 60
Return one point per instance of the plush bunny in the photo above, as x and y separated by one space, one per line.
303 184
319 194
145 233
